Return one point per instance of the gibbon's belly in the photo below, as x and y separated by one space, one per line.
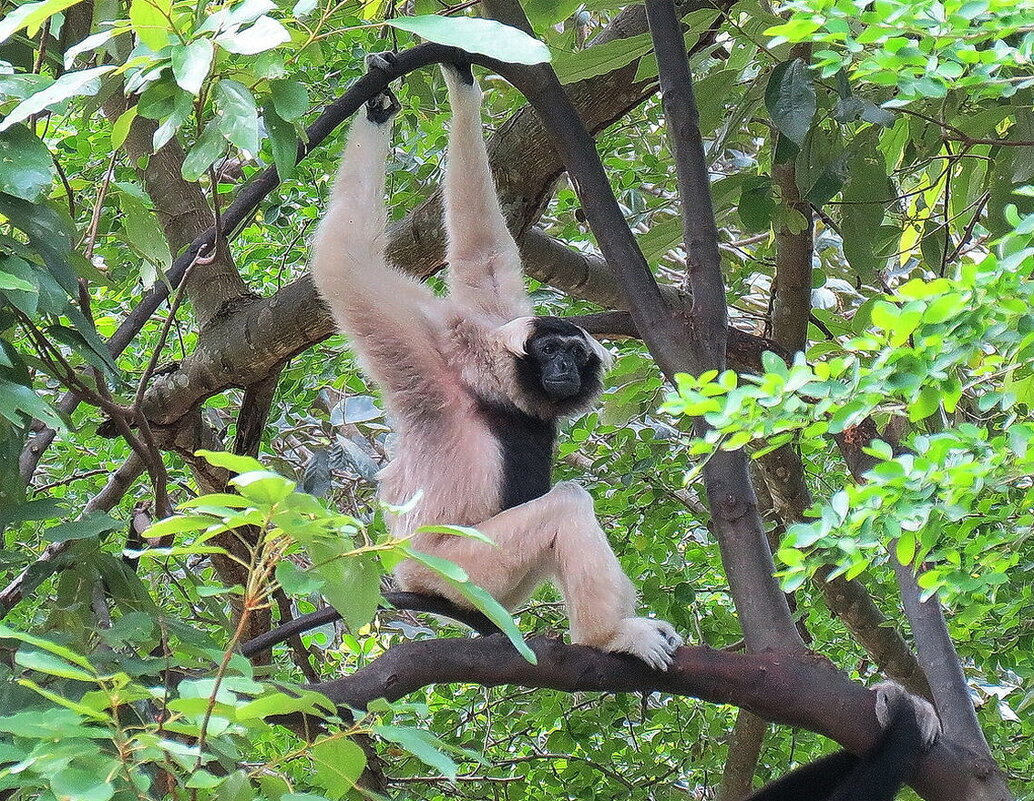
459 469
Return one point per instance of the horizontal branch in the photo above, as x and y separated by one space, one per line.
802 691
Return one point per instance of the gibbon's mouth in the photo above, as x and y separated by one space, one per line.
561 389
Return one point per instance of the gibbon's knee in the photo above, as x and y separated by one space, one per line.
575 500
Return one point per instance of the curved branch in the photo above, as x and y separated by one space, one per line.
797 690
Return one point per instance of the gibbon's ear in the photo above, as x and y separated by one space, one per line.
605 356
514 335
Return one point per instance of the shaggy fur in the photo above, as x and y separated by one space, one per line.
450 373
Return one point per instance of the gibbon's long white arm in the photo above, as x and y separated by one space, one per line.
484 263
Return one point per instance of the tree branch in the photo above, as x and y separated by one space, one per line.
795 690
699 346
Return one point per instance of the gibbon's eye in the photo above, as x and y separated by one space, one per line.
581 355
549 349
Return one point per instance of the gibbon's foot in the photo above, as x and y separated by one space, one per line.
889 694
653 641
461 69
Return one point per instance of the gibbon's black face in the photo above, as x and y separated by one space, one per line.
561 360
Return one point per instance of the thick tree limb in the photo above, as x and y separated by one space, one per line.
742 761
795 690
700 345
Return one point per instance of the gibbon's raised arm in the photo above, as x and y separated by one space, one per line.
389 317
484 264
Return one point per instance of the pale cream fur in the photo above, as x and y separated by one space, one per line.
434 359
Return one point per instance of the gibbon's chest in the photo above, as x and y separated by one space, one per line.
525 451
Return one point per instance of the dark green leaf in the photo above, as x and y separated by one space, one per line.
209 146
26 169
790 99
89 526
71 84
283 141
290 98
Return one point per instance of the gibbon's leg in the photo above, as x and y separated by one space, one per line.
484 265
388 316
557 536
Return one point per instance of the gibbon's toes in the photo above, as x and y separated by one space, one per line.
652 641
382 107
889 694
380 61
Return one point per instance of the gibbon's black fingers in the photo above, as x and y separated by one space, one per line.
382 107
380 61
889 694
461 69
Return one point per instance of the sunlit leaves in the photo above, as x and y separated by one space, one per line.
191 63
71 84
152 21
475 35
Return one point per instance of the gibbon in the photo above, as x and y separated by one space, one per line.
910 726
475 386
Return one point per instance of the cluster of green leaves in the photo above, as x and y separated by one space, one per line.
956 357
102 727
922 49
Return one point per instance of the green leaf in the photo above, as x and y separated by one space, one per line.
89 526
26 169
421 744
264 35
600 59
479 598
31 16
17 400
866 197
280 703
144 233
151 21
283 141
71 84
290 98
10 282
120 129
78 784
549 12
43 662
790 99
485 36
230 461
209 146
662 237
352 584
337 765
295 581
905 548
191 63
238 115
8 633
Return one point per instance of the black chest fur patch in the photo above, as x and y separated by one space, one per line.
526 444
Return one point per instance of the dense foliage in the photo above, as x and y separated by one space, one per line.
906 126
